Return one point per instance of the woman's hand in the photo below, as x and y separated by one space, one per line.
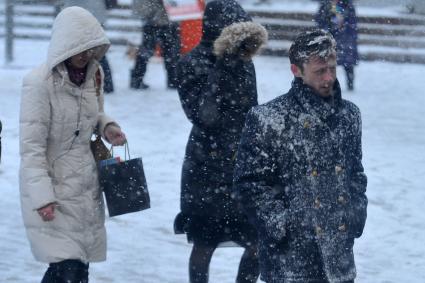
114 135
47 212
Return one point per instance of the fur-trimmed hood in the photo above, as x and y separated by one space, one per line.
243 39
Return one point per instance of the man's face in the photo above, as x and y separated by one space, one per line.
318 73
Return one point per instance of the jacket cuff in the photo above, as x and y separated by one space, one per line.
104 121
42 198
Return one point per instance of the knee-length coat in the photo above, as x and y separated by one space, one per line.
57 165
216 94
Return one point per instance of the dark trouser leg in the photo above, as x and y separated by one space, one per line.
349 70
146 51
108 84
170 44
67 271
199 263
248 267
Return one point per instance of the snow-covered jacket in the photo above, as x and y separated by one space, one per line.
300 179
216 93
57 165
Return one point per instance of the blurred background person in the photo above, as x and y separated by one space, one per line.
339 18
157 29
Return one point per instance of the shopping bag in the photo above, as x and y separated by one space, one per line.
124 186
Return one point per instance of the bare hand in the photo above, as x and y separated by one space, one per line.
114 135
47 212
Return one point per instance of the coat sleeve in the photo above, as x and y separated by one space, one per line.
358 209
34 122
256 180
209 96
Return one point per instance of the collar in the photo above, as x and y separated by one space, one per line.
313 103
64 77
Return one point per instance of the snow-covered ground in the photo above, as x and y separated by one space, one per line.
142 247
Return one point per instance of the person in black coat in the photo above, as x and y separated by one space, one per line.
217 87
339 18
299 174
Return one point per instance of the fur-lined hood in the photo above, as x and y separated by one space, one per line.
243 39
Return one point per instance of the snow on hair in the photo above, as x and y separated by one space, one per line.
316 42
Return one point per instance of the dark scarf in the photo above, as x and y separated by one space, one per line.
76 75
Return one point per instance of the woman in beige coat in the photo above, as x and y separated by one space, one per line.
61 108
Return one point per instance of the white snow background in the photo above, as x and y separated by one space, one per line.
142 247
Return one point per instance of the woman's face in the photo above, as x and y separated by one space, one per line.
82 59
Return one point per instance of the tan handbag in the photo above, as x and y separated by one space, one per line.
98 148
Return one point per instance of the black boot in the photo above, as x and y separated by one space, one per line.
136 82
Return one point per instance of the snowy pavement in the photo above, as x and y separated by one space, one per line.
142 247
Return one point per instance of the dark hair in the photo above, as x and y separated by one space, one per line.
314 42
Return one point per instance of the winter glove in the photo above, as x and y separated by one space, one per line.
240 40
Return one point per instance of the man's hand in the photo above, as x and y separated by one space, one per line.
47 212
114 135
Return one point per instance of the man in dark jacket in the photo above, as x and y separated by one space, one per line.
339 18
157 29
299 173
217 88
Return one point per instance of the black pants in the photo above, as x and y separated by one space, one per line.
67 271
349 71
168 39
108 84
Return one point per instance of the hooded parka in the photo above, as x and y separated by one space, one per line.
216 94
57 120
300 178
